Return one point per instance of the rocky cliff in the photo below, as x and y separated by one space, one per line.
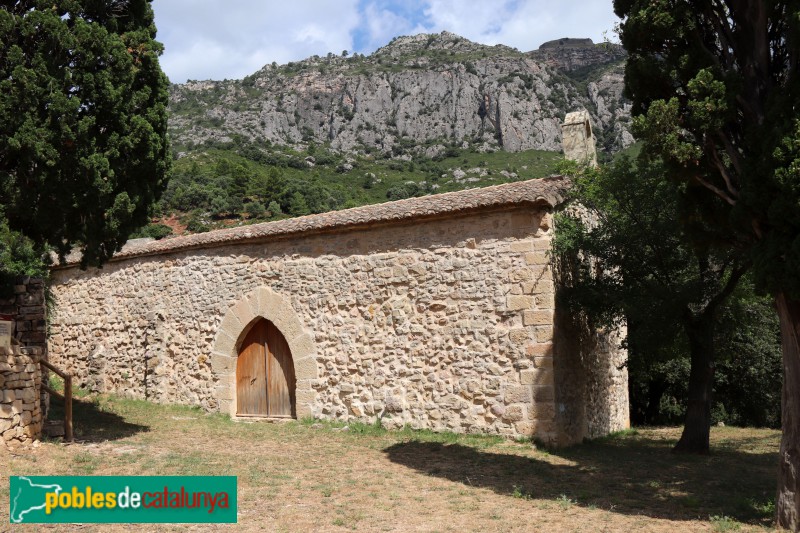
418 94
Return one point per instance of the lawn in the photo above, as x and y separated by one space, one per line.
301 476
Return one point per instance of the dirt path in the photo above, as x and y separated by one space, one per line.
316 477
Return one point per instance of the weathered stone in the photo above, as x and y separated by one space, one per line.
518 336
518 394
537 258
514 413
400 319
537 376
578 139
516 303
537 318
542 393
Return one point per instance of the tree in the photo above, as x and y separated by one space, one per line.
83 122
715 87
640 268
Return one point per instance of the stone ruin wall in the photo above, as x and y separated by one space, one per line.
20 389
445 323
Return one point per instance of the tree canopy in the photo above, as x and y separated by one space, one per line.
628 260
715 86
83 122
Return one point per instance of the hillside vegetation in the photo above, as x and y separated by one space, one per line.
424 114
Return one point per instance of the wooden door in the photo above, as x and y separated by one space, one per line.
280 374
265 381
251 374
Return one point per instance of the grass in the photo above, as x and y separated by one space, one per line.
311 475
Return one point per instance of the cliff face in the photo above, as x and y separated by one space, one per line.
417 94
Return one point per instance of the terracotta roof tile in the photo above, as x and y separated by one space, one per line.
548 191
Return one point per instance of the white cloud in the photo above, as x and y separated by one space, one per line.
211 39
382 25
215 39
521 24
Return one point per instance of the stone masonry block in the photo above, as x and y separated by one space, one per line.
537 318
536 376
223 392
518 336
227 407
261 295
537 258
543 393
288 324
301 347
252 301
544 301
231 326
514 413
544 333
544 426
306 368
222 364
224 343
518 394
244 312
543 286
304 384
226 380
271 303
517 303
543 411
522 246
540 350
526 428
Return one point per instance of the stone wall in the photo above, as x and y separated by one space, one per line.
27 305
20 381
443 321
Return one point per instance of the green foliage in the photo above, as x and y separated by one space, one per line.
19 256
153 231
749 367
715 90
297 205
625 257
637 243
255 209
83 120
748 370
202 181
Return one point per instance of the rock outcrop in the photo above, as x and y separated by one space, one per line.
417 94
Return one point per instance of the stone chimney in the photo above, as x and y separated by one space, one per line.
578 139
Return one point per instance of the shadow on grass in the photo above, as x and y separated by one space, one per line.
630 476
92 423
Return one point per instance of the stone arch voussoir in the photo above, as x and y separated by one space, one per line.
263 302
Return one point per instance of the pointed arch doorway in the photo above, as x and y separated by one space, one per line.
265 378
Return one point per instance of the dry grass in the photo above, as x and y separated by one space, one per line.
303 476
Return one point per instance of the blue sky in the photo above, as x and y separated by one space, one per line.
218 39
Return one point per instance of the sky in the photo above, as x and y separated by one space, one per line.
229 39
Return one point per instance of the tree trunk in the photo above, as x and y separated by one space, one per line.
787 500
694 439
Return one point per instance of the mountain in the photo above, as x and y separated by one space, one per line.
418 95
424 114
